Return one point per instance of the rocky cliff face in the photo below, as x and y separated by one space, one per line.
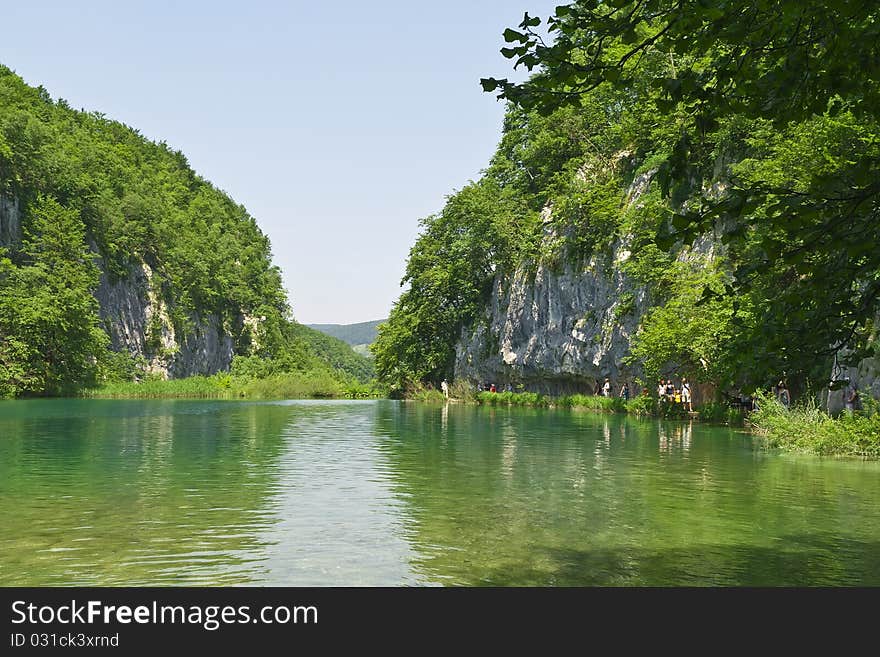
865 376
137 317
138 321
10 221
561 330
556 331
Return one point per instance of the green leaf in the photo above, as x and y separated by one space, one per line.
629 36
680 221
612 74
664 105
528 21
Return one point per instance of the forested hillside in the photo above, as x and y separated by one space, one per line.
699 182
353 334
118 261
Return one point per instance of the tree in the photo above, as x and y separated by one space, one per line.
805 74
778 59
449 271
50 333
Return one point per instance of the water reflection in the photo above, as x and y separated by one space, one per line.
389 493
675 436
163 492
134 492
537 497
335 519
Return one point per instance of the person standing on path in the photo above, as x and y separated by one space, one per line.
784 396
686 394
850 397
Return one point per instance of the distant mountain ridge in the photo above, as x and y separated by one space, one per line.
363 333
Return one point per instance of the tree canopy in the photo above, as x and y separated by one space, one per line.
800 198
97 197
751 130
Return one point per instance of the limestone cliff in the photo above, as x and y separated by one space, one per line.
558 329
137 316
561 329
555 331
865 376
10 221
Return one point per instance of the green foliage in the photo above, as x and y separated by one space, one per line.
194 387
303 350
49 327
362 333
512 399
728 56
782 191
642 405
765 132
290 385
720 413
463 391
670 410
807 428
449 272
313 384
16 375
364 390
594 402
626 304
119 367
332 352
699 338
95 192
591 402
427 395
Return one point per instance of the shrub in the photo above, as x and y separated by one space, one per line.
512 399
642 405
807 428
595 402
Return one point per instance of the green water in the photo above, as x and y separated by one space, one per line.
387 493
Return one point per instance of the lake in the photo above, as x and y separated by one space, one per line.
314 493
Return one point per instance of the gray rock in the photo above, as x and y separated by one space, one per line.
556 332
131 305
10 221
132 309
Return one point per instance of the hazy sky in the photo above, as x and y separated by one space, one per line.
337 124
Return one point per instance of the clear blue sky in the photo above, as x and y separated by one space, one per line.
337 124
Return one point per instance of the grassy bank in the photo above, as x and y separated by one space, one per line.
297 385
809 429
641 406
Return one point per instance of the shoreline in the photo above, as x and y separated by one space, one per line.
802 429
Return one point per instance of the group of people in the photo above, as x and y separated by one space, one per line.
670 393
667 391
